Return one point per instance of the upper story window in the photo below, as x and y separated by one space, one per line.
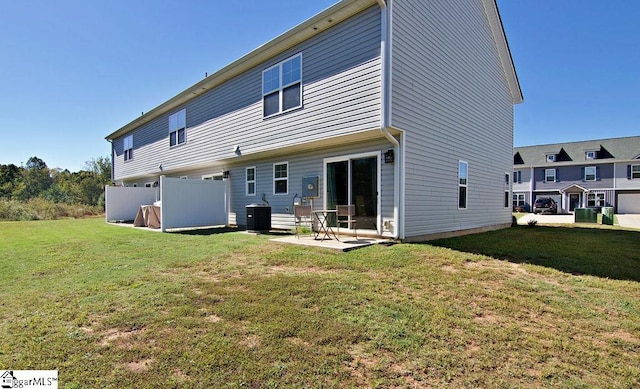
178 128
634 171
590 173
590 155
251 181
551 157
549 175
282 86
463 181
128 148
517 176
281 178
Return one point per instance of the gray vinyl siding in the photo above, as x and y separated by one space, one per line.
341 95
450 96
568 175
621 176
300 165
525 180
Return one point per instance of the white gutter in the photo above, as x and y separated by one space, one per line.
385 108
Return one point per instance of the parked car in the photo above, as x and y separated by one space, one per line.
545 204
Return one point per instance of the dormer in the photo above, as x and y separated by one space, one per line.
551 157
591 154
517 159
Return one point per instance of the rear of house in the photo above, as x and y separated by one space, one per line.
593 174
401 108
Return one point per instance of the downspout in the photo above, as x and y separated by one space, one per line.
385 113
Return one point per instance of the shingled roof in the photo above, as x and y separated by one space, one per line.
574 153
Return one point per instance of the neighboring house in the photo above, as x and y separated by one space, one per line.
403 108
595 173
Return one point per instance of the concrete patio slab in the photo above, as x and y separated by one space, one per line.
346 243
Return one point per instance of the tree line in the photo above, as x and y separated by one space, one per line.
36 180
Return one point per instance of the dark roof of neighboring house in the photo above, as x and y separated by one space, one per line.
574 153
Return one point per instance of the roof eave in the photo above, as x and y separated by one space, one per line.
502 45
302 32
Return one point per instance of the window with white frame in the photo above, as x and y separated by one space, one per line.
251 181
507 189
517 176
178 128
213 177
463 184
282 86
518 200
590 173
635 171
551 157
281 178
590 155
549 175
595 199
128 148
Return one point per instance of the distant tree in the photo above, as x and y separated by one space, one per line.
60 190
35 163
101 166
10 175
35 179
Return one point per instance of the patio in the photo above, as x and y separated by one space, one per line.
347 243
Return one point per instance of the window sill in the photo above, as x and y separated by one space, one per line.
274 115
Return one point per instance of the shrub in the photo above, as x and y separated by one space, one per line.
14 210
532 223
43 209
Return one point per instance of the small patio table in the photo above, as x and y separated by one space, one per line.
324 228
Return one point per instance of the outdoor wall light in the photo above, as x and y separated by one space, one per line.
160 166
236 150
388 156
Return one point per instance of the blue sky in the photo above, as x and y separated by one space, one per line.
73 71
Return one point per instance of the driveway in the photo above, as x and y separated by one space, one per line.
629 221
547 219
624 220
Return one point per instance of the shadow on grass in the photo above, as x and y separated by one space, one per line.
206 231
225 230
611 254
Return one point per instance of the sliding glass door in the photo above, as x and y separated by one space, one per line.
354 181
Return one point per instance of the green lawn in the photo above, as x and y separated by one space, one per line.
115 307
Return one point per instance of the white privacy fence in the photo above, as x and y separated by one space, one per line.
122 203
193 203
183 203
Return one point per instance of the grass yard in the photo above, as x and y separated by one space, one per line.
113 307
